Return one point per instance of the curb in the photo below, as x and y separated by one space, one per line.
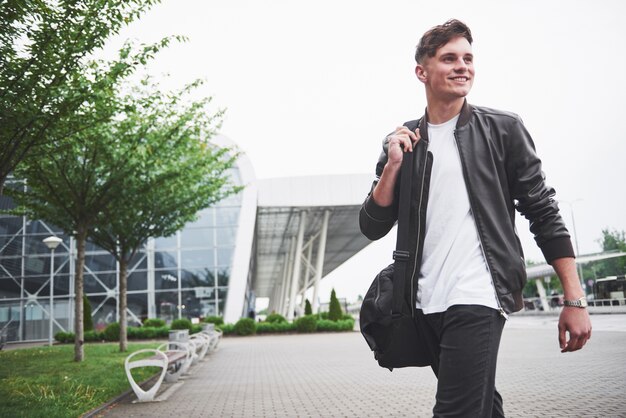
94 412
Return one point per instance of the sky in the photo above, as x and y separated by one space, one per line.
312 87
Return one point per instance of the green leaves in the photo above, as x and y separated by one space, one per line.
43 50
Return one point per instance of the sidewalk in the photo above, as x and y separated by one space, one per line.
335 375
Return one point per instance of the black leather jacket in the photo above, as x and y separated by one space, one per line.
502 173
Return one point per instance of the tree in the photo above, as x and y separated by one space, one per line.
80 176
334 309
612 240
307 308
43 49
175 173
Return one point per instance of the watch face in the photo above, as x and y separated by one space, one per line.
583 302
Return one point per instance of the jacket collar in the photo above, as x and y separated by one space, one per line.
464 117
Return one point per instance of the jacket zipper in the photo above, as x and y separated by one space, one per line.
480 237
419 227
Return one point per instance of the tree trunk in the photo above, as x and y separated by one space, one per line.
79 339
122 304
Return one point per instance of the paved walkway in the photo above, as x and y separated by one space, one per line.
335 375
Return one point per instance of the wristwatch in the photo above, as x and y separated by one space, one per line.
578 303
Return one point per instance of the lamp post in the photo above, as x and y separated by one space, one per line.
579 267
52 243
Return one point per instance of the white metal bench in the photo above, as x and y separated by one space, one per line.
162 359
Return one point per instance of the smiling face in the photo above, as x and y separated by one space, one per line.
449 74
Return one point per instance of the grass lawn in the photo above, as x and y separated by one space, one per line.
46 382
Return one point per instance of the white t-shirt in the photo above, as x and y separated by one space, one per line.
453 269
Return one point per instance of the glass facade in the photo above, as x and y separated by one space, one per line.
184 275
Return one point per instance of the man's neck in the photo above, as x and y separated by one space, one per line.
440 112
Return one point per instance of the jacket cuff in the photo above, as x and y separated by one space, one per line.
557 248
377 212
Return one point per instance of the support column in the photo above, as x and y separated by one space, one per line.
151 279
542 295
319 266
288 271
295 280
307 273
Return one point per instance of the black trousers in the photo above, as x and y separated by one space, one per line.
464 343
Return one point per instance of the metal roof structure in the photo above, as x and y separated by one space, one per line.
287 206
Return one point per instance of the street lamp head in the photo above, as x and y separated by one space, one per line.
52 242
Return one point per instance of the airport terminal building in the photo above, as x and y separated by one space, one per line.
276 239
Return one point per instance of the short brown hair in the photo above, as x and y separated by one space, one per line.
440 35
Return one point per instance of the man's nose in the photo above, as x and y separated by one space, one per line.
460 66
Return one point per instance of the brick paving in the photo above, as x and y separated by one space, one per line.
335 375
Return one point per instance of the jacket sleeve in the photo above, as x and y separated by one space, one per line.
533 198
376 221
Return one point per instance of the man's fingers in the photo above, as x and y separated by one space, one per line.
562 337
405 131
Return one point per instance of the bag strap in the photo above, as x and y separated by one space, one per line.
402 255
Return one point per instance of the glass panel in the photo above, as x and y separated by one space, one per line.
197 237
100 262
36 320
206 218
226 237
11 267
10 245
138 280
227 216
92 285
165 242
33 284
10 225
10 320
197 258
42 228
192 305
139 261
223 276
165 259
35 245
198 277
225 256
40 265
9 288
166 279
102 314
166 305
138 305
109 280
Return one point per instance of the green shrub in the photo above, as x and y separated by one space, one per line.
153 322
307 323
87 320
112 332
195 328
274 317
334 308
323 315
245 326
326 325
64 337
308 310
217 320
226 328
92 336
182 323
274 327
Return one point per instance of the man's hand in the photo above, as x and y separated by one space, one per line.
576 322
401 139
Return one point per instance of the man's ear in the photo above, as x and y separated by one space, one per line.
421 74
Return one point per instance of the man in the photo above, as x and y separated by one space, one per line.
473 167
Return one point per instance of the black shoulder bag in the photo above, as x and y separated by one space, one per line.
386 321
